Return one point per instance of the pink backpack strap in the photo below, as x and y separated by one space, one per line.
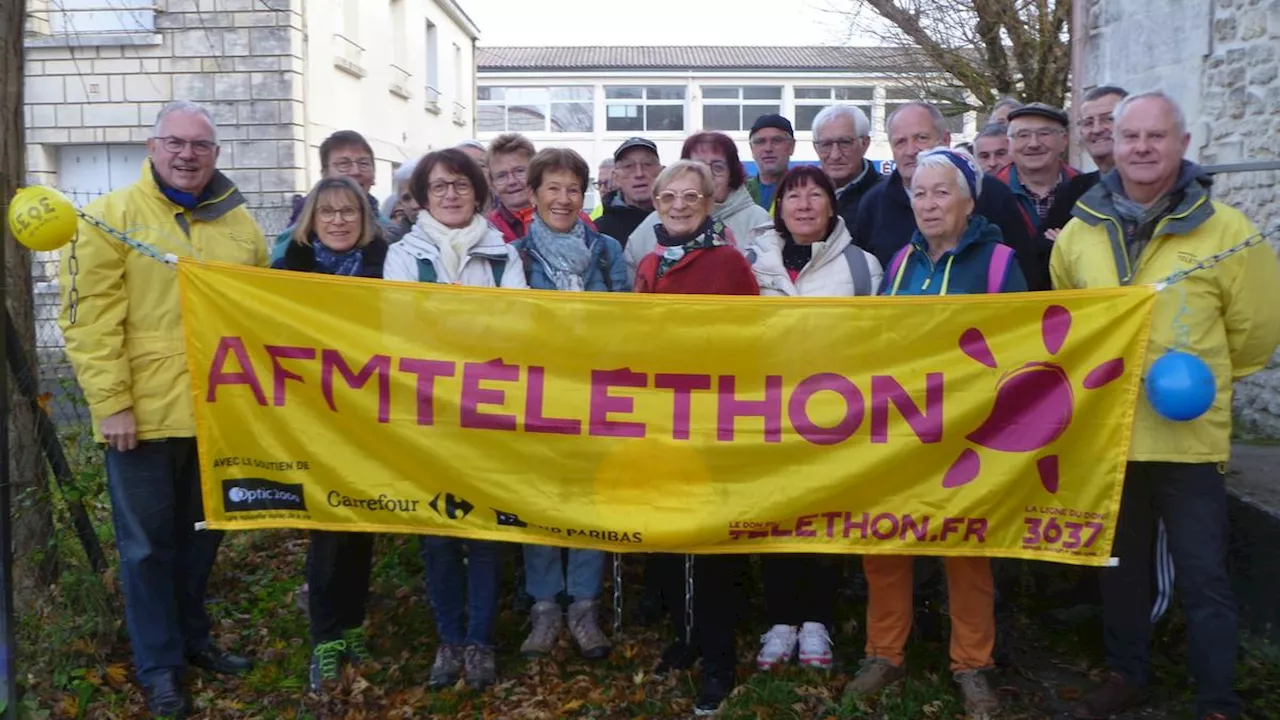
896 263
1001 256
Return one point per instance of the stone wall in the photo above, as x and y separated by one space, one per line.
1221 59
241 58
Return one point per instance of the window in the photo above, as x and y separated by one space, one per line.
812 100
433 65
899 96
536 109
729 107
97 17
656 108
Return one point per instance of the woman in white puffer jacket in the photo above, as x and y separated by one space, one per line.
807 253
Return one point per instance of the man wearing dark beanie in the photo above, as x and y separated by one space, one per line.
772 144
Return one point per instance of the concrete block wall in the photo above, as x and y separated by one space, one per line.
241 58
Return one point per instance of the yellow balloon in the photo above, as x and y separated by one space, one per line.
42 218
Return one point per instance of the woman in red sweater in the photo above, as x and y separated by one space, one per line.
695 252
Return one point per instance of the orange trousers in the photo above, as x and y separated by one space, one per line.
890 608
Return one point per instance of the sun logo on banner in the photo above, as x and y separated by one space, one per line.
1034 404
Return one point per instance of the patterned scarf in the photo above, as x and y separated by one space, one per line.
673 249
565 255
337 263
1139 223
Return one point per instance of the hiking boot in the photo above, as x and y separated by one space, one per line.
326 663
357 651
874 675
447 668
716 687
482 667
776 647
677 656
1112 697
584 626
547 621
980 701
815 646
165 696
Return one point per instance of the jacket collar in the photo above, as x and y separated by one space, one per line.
1192 210
979 231
222 195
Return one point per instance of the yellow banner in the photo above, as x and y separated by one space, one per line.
980 425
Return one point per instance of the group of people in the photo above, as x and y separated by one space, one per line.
508 215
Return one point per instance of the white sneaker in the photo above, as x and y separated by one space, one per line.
815 646
777 647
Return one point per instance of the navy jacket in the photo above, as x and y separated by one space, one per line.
302 258
849 201
961 271
886 223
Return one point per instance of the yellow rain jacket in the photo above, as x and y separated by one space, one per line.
1230 312
126 343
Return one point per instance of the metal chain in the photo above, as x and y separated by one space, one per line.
1212 260
688 600
145 249
617 595
73 269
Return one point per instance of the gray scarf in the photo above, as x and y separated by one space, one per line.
1139 223
565 255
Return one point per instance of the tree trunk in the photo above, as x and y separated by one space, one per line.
35 562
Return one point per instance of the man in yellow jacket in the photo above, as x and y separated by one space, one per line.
122 322
1145 220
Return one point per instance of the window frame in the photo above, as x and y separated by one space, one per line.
741 102
548 107
644 103
867 106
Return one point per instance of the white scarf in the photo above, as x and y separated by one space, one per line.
453 243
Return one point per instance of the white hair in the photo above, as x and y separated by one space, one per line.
939 122
1179 117
405 171
861 125
935 159
183 107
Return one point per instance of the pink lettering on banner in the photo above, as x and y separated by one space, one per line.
279 374
427 372
219 375
379 365
797 408
473 396
804 526
534 419
682 386
731 408
603 404
926 425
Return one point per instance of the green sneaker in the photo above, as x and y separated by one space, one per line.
326 663
357 652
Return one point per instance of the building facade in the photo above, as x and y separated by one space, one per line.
592 98
279 76
1221 61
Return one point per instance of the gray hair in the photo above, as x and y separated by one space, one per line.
606 162
183 107
473 144
861 125
1103 91
1179 117
939 122
935 159
1005 101
706 183
992 130
405 171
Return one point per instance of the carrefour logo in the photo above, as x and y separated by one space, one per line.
257 494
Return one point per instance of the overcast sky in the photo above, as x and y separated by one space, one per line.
661 22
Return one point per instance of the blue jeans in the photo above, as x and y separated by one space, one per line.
450 592
545 573
1192 501
164 562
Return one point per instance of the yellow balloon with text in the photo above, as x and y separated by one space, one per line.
42 218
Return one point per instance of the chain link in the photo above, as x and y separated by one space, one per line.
617 595
1212 260
73 269
688 600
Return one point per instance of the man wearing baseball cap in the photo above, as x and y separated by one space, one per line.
1037 140
635 167
773 142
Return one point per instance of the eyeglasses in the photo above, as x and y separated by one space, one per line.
347 164
717 167
519 174
440 188
176 145
328 214
1040 134
627 168
771 141
825 147
1090 122
669 197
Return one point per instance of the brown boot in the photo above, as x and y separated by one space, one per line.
1112 697
874 675
980 701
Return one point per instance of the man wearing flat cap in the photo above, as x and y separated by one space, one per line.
635 167
773 142
1037 140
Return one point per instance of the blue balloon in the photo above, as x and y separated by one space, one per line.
1180 386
